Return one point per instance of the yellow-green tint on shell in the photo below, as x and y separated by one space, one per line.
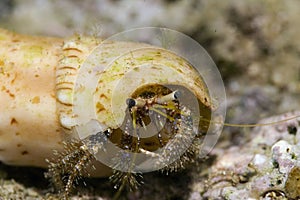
142 67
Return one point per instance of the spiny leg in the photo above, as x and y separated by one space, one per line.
125 179
183 145
69 166
78 169
62 164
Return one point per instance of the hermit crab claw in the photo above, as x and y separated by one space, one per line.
156 90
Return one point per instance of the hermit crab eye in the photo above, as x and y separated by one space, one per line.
131 102
140 97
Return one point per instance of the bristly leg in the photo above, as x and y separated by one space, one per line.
125 179
131 180
185 140
70 165
188 157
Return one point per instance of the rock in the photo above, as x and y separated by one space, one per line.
268 164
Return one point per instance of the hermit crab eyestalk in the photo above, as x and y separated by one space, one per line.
151 87
135 102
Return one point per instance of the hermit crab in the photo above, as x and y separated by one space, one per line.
133 103
142 100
